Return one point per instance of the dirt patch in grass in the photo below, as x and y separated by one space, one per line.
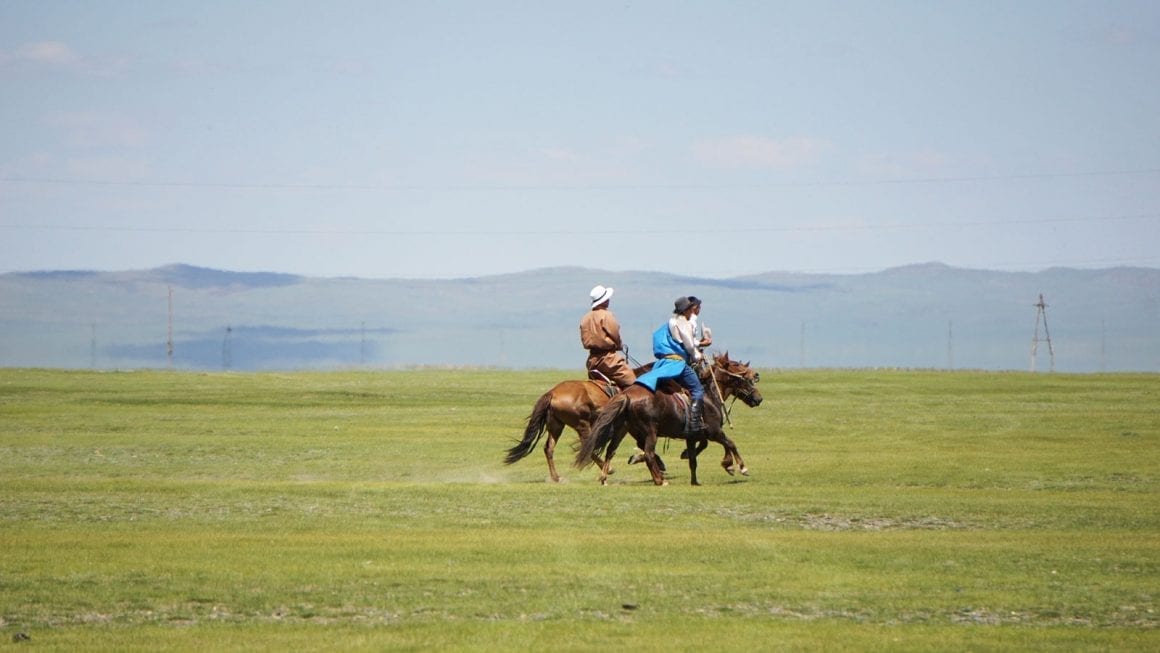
828 522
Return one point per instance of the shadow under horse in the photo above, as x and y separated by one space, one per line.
648 416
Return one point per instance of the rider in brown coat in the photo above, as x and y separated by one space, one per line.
600 335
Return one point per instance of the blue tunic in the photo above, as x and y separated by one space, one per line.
665 368
664 344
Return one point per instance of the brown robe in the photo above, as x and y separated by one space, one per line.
600 335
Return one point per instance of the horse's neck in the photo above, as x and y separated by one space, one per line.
719 388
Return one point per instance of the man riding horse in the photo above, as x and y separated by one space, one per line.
576 404
600 335
676 352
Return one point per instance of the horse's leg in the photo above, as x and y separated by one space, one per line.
691 449
610 453
701 446
583 429
555 429
740 463
731 452
727 461
638 457
732 460
649 445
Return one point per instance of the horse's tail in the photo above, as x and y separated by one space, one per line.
603 430
537 424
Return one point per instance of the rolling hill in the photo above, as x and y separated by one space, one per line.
921 316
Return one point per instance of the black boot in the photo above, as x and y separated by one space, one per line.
696 423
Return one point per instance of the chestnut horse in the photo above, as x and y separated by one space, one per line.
574 404
648 415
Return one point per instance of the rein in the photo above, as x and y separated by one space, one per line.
631 359
745 389
720 395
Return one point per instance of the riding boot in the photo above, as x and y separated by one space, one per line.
696 423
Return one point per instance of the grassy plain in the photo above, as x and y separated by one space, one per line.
887 510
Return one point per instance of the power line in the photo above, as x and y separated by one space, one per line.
567 232
65 181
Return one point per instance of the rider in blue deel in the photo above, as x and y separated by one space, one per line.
676 351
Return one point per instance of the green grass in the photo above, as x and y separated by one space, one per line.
886 510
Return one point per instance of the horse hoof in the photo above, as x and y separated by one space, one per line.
745 471
729 471
664 483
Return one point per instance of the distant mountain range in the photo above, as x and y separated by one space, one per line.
920 316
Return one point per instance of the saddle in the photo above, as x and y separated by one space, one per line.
603 382
680 395
665 386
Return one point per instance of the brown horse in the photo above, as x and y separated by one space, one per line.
575 404
648 415
742 379
569 403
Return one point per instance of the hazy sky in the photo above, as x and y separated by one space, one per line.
450 139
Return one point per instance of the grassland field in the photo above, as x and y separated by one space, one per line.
370 510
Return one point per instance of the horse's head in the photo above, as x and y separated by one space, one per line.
737 379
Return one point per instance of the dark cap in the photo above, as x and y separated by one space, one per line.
682 304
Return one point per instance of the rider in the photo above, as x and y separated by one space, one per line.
675 351
701 333
600 335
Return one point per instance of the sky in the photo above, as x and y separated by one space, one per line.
435 139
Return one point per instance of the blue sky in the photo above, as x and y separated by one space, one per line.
452 139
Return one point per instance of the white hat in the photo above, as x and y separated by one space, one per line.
599 295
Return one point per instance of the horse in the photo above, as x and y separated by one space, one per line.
745 379
569 403
575 404
648 415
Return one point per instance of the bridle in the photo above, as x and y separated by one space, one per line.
743 388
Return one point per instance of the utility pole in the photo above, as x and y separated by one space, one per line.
950 345
1103 346
227 350
802 346
1041 315
169 341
